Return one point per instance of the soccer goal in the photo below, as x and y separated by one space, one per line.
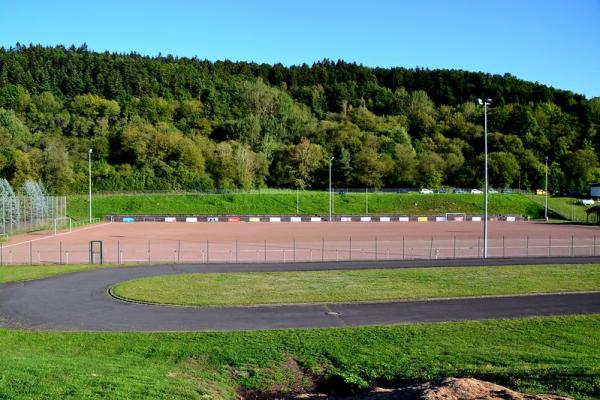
458 217
61 223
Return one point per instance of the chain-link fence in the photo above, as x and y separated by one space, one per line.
31 210
125 251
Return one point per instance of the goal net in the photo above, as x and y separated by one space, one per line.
458 217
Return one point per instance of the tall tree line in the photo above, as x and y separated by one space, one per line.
178 123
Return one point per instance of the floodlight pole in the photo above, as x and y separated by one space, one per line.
546 191
330 192
485 104
90 181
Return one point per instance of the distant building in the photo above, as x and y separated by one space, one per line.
595 190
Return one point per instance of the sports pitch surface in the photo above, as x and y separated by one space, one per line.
261 242
81 302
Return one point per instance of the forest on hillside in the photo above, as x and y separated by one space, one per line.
168 123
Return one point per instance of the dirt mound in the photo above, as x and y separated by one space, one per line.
448 389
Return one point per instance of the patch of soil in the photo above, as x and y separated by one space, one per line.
444 389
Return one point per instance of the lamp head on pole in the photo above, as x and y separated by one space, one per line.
91 151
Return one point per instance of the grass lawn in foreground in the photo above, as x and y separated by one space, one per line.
15 273
358 285
558 355
283 202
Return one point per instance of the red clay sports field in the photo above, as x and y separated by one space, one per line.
218 242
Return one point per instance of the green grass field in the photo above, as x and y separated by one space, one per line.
19 273
563 207
559 355
358 285
283 202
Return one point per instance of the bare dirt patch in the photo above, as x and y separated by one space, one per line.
445 389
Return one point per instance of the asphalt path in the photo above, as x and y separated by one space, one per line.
80 302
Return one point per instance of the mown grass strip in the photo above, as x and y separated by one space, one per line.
556 355
358 285
565 207
284 202
16 273
19 273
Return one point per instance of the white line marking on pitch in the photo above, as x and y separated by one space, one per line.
53 236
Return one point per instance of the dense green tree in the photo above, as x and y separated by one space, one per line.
503 169
580 168
176 123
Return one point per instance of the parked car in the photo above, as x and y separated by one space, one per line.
585 202
507 190
476 191
540 192
459 191
492 191
442 191
426 191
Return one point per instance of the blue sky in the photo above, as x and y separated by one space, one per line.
554 42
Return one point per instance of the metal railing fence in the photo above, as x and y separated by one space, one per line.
126 251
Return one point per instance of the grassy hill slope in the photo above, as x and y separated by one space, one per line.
283 202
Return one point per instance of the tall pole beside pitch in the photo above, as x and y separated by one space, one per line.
546 190
90 181
485 103
330 192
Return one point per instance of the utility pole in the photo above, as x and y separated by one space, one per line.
485 104
90 181
330 192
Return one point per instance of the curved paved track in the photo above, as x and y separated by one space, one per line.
79 301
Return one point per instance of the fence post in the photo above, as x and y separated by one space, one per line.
572 248
503 253
2 260
527 246
30 252
178 251
594 245
431 249
479 254
60 252
149 251
265 250
454 246
549 245
322 249
402 247
118 252
294 252
236 251
376 253
350 257
207 247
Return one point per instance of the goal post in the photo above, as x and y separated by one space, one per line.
458 217
96 256
61 223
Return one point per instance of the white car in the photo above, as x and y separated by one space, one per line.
586 202
476 191
426 191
